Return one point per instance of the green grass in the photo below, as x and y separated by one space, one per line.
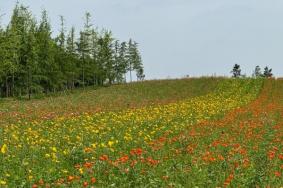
113 98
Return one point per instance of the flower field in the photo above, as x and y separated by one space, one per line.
231 136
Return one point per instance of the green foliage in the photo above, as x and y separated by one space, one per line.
33 62
267 72
236 71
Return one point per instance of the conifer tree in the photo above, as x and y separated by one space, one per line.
46 54
94 54
236 71
134 58
32 62
72 60
267 72
257 72
84 47
123 61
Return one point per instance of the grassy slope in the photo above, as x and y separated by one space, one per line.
75 148
112 98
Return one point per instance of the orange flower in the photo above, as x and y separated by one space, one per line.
212 159
77 166
124 159
88 165
271 154
133 163
221 158
103 157
277 174
71 178
34 186
85 184
228 180
151 161
87 150
93 180
41 182
137 151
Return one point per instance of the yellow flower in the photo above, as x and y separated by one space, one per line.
81 171
47 155
110 143
54 149
65 171
4 149
2 182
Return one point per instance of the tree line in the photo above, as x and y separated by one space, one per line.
32 61
257 73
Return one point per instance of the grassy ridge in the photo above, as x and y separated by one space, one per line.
114 98
113 148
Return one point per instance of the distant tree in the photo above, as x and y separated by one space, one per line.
94 54
62 38
236 71
267 72
13 48
45 46
61 58
140 74
257 72
117 61
106 56
32 61
123 61
72 60
84 48
134 57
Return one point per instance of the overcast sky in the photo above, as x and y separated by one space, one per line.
182 37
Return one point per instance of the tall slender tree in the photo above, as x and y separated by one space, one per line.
46 53
134 58
72 59
236 71
31 61
84 47
257 72
267 72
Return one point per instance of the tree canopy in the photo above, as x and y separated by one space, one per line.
33 61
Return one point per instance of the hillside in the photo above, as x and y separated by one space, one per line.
186 135
114 98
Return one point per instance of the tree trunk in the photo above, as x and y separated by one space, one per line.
7 87
83 72
13 84
131 74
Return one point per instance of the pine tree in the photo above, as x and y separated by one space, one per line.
267 72
140 74
72 59
61 56
31 61
123 61
134 58
106 57
257 72
47 50
117 62
94 54
13 47
84 47
32 67
236 71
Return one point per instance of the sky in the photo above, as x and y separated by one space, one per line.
181 37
